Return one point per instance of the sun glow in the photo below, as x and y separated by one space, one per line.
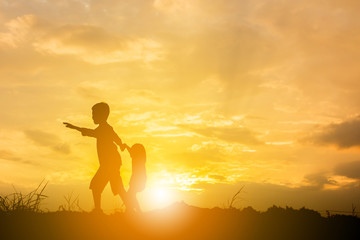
161 197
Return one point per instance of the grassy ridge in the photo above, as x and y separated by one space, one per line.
22 218
181 221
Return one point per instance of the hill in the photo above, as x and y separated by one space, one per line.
180 221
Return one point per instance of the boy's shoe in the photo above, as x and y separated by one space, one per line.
97 211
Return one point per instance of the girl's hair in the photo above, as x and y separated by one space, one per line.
138 151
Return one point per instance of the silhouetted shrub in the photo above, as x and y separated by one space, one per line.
20 202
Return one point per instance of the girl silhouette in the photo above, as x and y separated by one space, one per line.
138 176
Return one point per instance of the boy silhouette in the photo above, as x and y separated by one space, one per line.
109 157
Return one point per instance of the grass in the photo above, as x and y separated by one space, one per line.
72 204
20 202
234 199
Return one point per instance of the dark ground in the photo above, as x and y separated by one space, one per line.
180 221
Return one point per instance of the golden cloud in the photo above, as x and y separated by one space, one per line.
94 45
18 30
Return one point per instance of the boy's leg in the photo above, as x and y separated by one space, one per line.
97 185
97 199
118 188
122 193
121 189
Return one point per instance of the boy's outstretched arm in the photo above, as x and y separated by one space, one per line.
84 131
69 125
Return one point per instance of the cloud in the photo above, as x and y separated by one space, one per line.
95 45
230 134
217 177
11 156
46 139
350 169
344 135
91 43
8 155
88 36
142 97
317 181
135 117
19 30
94 90
175 6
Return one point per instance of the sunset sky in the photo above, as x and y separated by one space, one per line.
223 94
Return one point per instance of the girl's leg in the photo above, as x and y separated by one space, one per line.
132 198
136 204
117 187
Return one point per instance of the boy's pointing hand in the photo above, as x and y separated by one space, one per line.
68 125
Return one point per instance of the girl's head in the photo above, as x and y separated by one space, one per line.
137 151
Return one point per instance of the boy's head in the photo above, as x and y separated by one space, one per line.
100 112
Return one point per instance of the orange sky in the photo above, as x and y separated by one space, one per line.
261 94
